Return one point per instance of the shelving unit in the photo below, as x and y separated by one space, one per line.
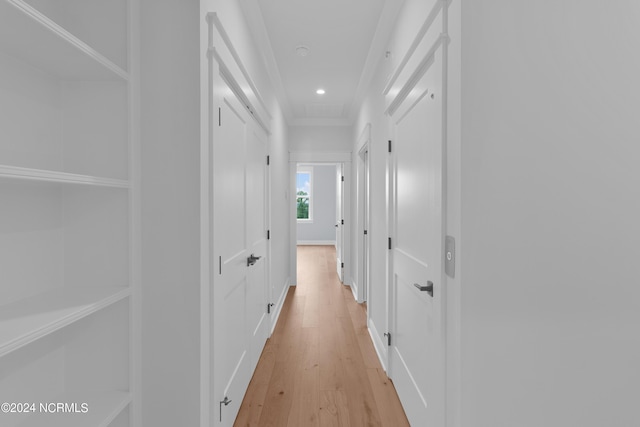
59 177
68 217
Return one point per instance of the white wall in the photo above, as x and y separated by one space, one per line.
320 138
170 122
323 192
550 291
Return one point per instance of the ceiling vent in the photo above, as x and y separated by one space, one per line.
302 51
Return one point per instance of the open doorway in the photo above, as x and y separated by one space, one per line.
319 216
321 209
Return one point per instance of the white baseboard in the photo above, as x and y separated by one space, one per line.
279 304
378 344
354 289
316 242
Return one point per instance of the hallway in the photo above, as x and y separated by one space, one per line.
319 368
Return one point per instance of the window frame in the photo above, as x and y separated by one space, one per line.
306 170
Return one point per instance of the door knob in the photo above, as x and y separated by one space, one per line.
428 288
252 260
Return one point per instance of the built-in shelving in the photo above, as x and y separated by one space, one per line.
27 34
68 221
101 410
29 319
14 172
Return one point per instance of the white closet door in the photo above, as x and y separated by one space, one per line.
256 170
240 324
416 357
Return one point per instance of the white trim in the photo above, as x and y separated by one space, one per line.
279 305
360 211
379 345
354 290
316 243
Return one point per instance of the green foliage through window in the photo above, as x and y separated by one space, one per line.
303 205
303 195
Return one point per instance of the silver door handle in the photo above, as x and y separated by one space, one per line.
428 288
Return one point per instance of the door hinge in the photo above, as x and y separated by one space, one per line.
389 145
219 116
388 335
365 231
220 264
269 307
267 160
342 178
342 221
389 243
268 234
342 265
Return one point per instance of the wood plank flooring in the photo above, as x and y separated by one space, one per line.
319 368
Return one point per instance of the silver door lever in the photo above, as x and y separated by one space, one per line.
428 288
252 260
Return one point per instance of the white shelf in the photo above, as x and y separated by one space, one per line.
29 319
29 35
14 172
103 408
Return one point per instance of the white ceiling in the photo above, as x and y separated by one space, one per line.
346 39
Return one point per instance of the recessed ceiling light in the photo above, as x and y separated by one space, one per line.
320 92
302 50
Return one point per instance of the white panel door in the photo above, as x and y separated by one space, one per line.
256 170
416 357
339 219
240 327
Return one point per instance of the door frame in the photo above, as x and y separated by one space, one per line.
363 209
343 158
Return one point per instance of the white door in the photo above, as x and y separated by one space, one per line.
256 185
339 221
417 347
239 292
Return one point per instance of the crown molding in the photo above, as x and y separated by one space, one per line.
255 20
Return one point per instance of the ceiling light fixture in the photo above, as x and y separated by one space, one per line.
320 92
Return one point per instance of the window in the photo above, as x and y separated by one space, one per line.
304 198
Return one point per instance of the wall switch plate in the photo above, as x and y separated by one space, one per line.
450 256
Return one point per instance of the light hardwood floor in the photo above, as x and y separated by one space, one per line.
319 368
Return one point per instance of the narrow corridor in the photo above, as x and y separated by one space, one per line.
319 368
